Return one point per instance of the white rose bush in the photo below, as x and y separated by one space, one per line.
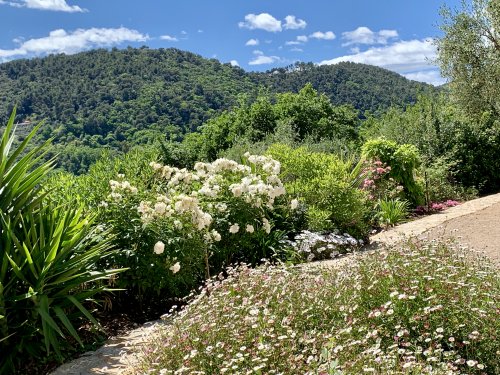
190 224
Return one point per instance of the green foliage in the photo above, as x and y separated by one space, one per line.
304 117
469 55
392 212
47 259
477 155
386 313
441 182
327 186
114 100
441 132
403 160
366 87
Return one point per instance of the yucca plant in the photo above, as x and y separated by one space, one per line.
48 257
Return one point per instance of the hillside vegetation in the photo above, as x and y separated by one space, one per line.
121 98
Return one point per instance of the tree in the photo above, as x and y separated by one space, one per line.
469 55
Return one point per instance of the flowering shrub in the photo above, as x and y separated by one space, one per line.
419 309
377 181
403 161
436 206
190 223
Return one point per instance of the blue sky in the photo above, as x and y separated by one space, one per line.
255 34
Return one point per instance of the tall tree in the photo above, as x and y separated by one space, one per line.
469 55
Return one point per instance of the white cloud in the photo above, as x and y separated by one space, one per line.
402 56
53 5
301 39
263 21
329 35
293 23
61 41
169 38
295 49
363 35
252 42
262 59
234 63
430 76
411 58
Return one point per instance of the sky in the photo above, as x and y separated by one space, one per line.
256 35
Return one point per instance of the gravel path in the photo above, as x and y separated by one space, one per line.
475 223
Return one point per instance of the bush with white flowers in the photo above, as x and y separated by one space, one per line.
223 210
180 226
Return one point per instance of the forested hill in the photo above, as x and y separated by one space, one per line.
140 87
116 99
366 87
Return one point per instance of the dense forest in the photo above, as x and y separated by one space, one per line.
117 99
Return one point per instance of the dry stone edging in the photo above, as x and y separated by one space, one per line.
119 354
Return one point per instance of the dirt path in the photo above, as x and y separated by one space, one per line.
476 223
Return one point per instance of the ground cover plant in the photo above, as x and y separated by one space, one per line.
426 308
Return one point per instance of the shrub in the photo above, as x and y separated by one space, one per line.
327 186
418 309
47 260
177 226
441 184
403 160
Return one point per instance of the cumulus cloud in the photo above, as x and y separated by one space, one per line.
263 21
53 5
431 76
261 59
401 56
295 49
252 42
411 58
61 41
234 63
169 38
363 35
329 35
293 23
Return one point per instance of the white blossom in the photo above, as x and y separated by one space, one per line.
159 248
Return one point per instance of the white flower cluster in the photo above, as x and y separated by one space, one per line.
212 191
118 188
178 206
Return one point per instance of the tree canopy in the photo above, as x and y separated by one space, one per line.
469 55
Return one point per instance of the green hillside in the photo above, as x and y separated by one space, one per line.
116 99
